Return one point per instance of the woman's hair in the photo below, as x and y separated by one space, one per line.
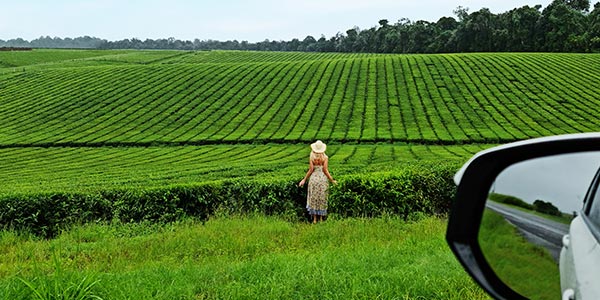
317 158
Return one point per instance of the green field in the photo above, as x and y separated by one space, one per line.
132 143
83 118
142 98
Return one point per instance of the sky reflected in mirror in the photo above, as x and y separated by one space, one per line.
562 180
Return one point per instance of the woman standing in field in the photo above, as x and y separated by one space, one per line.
318 185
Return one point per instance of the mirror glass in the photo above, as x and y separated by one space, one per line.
528 211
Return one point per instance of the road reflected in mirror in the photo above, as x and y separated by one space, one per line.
529 208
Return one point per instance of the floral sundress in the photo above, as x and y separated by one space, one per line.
318 188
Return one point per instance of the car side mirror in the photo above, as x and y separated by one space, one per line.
513 211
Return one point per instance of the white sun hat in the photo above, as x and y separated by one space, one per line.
318 147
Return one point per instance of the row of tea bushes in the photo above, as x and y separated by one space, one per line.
415 189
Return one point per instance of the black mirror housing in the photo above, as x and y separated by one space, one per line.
474 181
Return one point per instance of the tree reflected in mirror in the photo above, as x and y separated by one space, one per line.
529 208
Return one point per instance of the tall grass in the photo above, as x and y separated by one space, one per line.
244 258
57 285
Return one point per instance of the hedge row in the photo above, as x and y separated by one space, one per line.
411 190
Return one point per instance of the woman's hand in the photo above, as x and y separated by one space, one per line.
302 182
334 182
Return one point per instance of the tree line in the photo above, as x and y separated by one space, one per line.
54 42
562 26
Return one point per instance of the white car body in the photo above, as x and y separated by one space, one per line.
579 261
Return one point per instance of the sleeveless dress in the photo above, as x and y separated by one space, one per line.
318 186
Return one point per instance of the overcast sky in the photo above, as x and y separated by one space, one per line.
222 20
562 180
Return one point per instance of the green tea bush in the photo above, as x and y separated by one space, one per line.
282 197
45 214
418 189
413 190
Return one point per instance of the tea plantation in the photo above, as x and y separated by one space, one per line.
90 123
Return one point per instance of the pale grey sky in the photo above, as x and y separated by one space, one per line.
220 19
561 179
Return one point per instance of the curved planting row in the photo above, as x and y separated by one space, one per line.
11 59
236 57
140 56
33 170
300 97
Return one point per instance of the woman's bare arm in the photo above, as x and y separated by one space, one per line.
326 170
311 168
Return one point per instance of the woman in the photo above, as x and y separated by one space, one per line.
316 201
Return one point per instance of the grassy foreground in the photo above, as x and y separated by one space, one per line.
238 258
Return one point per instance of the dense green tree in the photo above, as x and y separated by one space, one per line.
386 37
476 31
293 45
580 5
447 24
443 38
563 28
420 37
519 27
546 208
366 41
347 44
401 31
593 33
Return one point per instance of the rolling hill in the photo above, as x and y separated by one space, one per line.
75 115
